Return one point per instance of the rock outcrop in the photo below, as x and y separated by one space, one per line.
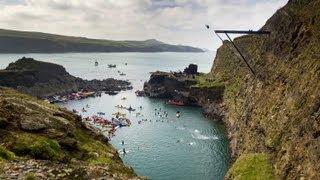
42 141
273 118
189 89
42 79
166 85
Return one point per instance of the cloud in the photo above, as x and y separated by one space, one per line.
172 21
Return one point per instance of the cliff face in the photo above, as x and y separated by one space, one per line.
41 79
42 141
274 117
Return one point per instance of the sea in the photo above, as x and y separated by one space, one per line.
189 147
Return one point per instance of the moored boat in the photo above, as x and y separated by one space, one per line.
177 103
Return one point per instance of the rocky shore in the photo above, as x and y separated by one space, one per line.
42 141
190 89
42 79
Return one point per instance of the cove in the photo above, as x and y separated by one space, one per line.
189 147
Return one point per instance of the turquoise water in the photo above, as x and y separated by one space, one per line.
189 147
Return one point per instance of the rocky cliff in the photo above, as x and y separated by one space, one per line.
273 118
194 90
42 141
42 79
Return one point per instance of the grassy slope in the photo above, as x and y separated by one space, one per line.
277 113
66 41
64 140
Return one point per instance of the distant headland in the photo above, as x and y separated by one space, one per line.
36 42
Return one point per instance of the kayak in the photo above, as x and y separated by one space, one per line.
177 103
119 114
121 107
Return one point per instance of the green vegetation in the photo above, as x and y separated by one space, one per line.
59 43
204 81
46 132
36 146
5 154
97 152
30 176
1 166
251 167
24 99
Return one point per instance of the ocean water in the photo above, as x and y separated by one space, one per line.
189 147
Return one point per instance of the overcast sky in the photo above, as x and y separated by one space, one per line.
170 21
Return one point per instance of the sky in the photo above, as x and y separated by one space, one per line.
170 21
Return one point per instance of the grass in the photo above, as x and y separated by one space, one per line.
6 154
35 146
96 151
101 153
10 93
204 81
1 166
251 167
30 176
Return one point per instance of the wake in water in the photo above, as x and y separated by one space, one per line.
197 135
180 128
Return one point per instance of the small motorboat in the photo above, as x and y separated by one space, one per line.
122 74
112 65
96 63
124 98
101 113
176 103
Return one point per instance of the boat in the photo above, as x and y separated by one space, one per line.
101 113
119 114
176 103
112 65
56 99
96 63
124 98
87 94
120 106
112 92
122 74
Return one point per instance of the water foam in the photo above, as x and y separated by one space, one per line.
197 135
